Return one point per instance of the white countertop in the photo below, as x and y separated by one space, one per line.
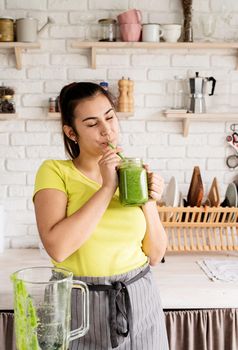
182 283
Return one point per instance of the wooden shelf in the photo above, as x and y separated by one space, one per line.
187 118
18 49
93 46
120 115
8 116
55 115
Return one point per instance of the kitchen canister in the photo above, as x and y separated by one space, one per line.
6 29
133 185
26 29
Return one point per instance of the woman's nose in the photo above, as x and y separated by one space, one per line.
105 130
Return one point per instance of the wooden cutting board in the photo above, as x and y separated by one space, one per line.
196 191
213 194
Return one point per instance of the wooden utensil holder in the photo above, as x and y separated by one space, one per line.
200 228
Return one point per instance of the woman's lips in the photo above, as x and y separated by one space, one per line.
105 144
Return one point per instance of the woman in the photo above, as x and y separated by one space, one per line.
85 229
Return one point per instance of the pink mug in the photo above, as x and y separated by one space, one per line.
130 16
130 31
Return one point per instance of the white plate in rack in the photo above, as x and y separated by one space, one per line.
172 193
231 195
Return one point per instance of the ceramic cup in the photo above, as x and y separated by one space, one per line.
130 31
130 16
171 32
151 32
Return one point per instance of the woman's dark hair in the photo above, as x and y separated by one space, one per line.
69 98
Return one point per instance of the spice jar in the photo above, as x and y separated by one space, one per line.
52 104
133 186
6 29
107 30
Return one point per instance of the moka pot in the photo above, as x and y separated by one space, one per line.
198 86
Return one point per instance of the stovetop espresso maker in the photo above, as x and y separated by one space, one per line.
197 89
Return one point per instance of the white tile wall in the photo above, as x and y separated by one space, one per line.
26 142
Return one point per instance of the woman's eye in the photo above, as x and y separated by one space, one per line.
91 125
111 117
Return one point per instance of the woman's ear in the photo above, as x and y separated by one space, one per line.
69 132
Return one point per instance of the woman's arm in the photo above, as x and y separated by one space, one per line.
155 241
61 235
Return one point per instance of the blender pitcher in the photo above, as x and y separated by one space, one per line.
42 308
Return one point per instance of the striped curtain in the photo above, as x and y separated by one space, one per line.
211 329
7 339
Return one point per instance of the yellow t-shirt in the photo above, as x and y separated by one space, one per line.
114 247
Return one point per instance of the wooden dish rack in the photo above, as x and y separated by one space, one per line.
200 228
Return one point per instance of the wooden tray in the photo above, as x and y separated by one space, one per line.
200 228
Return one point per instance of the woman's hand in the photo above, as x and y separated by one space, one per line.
155 184
108 164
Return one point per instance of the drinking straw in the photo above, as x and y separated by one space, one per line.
118 153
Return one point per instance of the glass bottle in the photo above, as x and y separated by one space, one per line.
133 185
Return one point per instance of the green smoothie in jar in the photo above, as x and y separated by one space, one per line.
133 186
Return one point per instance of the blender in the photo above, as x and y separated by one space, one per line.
197 88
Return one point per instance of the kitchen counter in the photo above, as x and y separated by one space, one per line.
182 283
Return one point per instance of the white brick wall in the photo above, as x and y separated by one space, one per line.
27 141
24 4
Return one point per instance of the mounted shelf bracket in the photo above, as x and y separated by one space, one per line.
18 49
187 118
93 46
93 57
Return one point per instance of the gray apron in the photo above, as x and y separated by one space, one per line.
125 313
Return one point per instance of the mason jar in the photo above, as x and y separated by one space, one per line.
107 29
133 184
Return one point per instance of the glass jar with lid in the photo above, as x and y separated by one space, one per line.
107 29
133 185
179 95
